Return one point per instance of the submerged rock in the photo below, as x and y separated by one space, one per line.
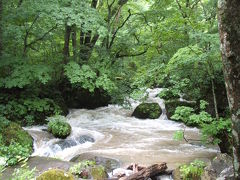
108 163
67 143
55 174
147 111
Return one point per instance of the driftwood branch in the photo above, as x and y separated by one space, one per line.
148 172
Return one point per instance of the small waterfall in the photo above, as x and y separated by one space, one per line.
111 131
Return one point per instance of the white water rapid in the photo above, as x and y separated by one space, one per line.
112 132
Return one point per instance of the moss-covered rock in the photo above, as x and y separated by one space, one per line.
98 173
171 106
147 111
15 133
59 127
55 174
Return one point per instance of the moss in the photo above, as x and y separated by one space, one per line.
98 173
55 174
14 132
147 110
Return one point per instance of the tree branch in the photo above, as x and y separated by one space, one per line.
115 33
43 36
130 55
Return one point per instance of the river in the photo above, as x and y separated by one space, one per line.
112 132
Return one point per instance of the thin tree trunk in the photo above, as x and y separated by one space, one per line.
66 53
74 41
1 45
229 21
214 99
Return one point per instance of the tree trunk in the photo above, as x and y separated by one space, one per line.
66 53
1 45
229 29
74 41
214 99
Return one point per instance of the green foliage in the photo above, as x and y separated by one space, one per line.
203 105
167 94
214 130
58 126
178 135
77 169
85 77
23 75
182 113
98 172
28 111
14 153
24 173
192 171
3 161
15 143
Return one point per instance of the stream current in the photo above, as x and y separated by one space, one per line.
111 131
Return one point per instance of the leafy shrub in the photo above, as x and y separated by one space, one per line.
16 144
24 173
182 113
167 94
3 161
14 153
87 78
215 129
187 115
58 126
193 171
28 111
178 135
81 167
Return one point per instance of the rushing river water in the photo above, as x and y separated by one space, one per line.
112 132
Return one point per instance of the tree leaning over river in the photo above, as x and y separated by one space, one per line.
229 29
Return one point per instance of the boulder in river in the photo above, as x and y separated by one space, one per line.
55 174
147 111
67 143
108 163
58 126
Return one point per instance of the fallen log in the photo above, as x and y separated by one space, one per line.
147 172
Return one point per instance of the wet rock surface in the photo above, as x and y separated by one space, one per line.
42 164
108 163
67 143
220 168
